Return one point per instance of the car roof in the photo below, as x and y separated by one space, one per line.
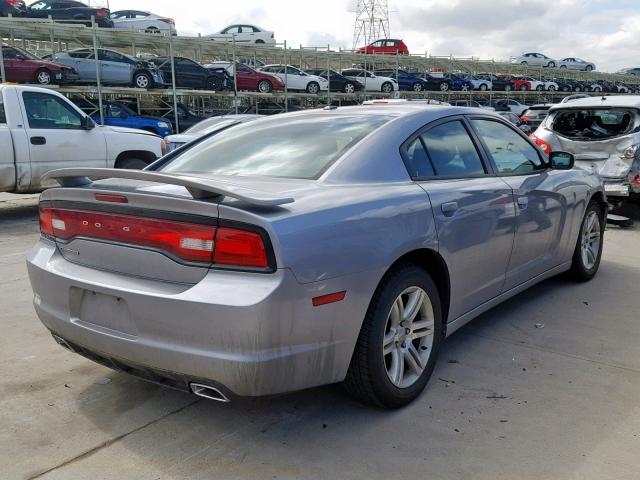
619 101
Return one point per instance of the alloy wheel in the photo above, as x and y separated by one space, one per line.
142 81
349 88
417 87
408 337
591 233
44 78
444 87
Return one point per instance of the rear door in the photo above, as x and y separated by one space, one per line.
56 138
84 63
474 210
545 200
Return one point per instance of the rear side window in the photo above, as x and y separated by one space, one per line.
297 147
417 160
3 117
595 124
452 152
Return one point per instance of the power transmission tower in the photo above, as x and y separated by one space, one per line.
372 22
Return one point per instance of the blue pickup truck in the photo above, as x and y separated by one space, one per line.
117 114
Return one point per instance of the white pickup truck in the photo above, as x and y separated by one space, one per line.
41 130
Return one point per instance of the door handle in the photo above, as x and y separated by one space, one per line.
523 202
449 208
38 141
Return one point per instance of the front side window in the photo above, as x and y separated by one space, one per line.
234 29
594 124
46 111
301 147
40 6
511 153
452 151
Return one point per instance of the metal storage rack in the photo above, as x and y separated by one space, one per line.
45 37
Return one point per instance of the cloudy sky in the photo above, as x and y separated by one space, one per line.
603 31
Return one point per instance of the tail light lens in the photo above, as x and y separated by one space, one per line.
524 118
102 12
191 242
542 145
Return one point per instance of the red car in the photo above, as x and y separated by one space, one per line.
521 84
386 46
22 66
248 78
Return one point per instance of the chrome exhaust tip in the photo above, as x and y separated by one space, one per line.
209 392
61 341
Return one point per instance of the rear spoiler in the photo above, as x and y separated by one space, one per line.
199 188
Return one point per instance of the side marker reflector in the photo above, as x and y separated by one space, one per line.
330 298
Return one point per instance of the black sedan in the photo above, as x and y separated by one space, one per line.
190 74
499 83
416 81
337 81
69 10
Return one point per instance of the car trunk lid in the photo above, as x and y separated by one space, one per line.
151 225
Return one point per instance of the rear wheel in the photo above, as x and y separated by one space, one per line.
588 252
131 163
154 30
215 83
259 41
589 68
44 77
398 344
484 87
551 65
540 88
524 88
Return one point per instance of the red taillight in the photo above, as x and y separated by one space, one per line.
524 118
542 145
167 20
240 247
192 242
636 181
102 12
14 3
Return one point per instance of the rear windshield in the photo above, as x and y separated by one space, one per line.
295 147
595 124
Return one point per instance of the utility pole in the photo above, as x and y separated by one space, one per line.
372 22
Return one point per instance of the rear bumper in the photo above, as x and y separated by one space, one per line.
251 334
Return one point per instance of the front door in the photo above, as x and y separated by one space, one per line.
473 210
544 200
56 138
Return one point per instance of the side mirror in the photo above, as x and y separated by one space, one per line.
87 123
561 160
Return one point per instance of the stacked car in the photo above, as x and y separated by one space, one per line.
22 66
370 81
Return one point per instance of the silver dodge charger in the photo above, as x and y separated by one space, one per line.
309 248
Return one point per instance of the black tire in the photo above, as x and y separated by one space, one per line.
142 80
508 87
589 68
214 83
44 77
387 87
367 378
444 87
349 87
580 271
264 86
563 66
565 89
131 163
551 65
540 88
524 63
417 87
483 87
313 88
152 30
259 41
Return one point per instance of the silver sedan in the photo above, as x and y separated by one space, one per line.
573 63
309 248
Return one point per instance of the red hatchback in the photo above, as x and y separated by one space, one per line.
22 66
386 46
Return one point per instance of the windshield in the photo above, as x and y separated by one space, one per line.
595 124
296 146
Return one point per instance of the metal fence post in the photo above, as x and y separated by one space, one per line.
3 78
173 84
98 72
328 75
235 76
286 90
